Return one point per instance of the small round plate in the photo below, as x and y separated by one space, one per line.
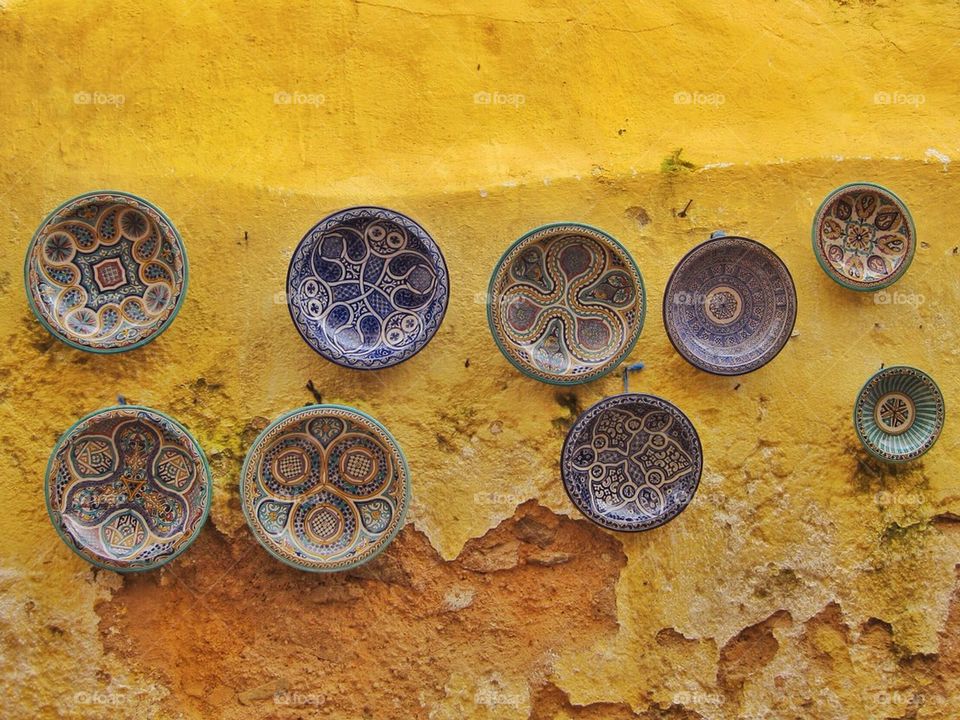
367 288
566 303
325 488
730 305
106 272
631 462
863 236
899 414
128 488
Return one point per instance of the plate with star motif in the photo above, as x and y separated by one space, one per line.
128 488
325 488
106 272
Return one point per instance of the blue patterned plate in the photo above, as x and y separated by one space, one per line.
325 488
106 272
631 462
128 488
899 414
566 303
367 288
730 305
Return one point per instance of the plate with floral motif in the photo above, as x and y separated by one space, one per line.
128 488
863 236
325 488
106 272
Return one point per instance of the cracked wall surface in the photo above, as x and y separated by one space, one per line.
806 580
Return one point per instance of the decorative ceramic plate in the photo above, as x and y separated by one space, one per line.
899 414
325 488
730 305
367 288
128 488
106 272
863 236
631 462
566 303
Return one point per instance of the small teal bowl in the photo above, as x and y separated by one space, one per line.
899 414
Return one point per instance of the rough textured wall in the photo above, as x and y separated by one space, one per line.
804 581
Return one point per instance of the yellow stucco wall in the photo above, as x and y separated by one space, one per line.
805 580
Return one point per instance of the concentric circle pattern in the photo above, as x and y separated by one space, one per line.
367 287
128 488
730 305
325 488
106 272
863 236
631 462
566 303
899 414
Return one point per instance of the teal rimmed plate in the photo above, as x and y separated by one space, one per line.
106 272
863 236
566 303
128 488
325 488
899 414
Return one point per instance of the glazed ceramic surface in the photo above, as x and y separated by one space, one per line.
128 488
863 236
106 272
566 303
899 414
367 287
325 488
631 462
730 305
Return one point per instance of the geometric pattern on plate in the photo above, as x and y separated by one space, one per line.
566 303
730 305
325 488
367 287
631 462
105 272
863 236
128 488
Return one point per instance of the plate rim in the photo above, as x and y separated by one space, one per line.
630 346
666 294
78 346
206 468
856 402
443 312
624 396
401 522
829 270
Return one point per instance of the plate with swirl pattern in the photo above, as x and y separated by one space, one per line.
566 303
128 488
367 288
863 236
899 414
106 272
730 305
325 488
631 462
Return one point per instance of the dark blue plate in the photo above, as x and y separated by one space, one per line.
367 287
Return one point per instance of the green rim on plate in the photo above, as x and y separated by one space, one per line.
899 413
106 272
566 303
325 488
128 488
863 236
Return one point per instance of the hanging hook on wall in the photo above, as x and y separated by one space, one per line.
626 374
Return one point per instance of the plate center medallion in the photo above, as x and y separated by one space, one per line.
723 305
894 413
